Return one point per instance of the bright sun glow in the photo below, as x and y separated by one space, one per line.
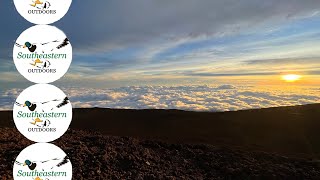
291 77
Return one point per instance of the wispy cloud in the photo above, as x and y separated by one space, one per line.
117 23
136 42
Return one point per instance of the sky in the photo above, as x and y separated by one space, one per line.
200 55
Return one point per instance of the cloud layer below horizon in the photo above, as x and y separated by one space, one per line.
193 98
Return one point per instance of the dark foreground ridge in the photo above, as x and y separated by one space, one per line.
96 156
155 144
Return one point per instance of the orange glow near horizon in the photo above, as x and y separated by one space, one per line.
269 80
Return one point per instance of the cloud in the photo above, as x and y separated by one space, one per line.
196 98
116 36
284 61
226 86
117 23
137 42
8 98
208 74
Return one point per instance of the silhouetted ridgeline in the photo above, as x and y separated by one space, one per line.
289 130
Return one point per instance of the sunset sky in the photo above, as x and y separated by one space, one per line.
184 54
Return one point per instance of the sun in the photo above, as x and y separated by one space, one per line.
291 77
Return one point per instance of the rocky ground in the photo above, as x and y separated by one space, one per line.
97 156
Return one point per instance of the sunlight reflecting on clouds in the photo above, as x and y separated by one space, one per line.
196 98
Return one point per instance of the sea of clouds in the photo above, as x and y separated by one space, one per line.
194 98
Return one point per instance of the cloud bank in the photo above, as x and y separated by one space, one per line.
193 98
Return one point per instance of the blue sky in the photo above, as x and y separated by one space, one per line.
177 42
